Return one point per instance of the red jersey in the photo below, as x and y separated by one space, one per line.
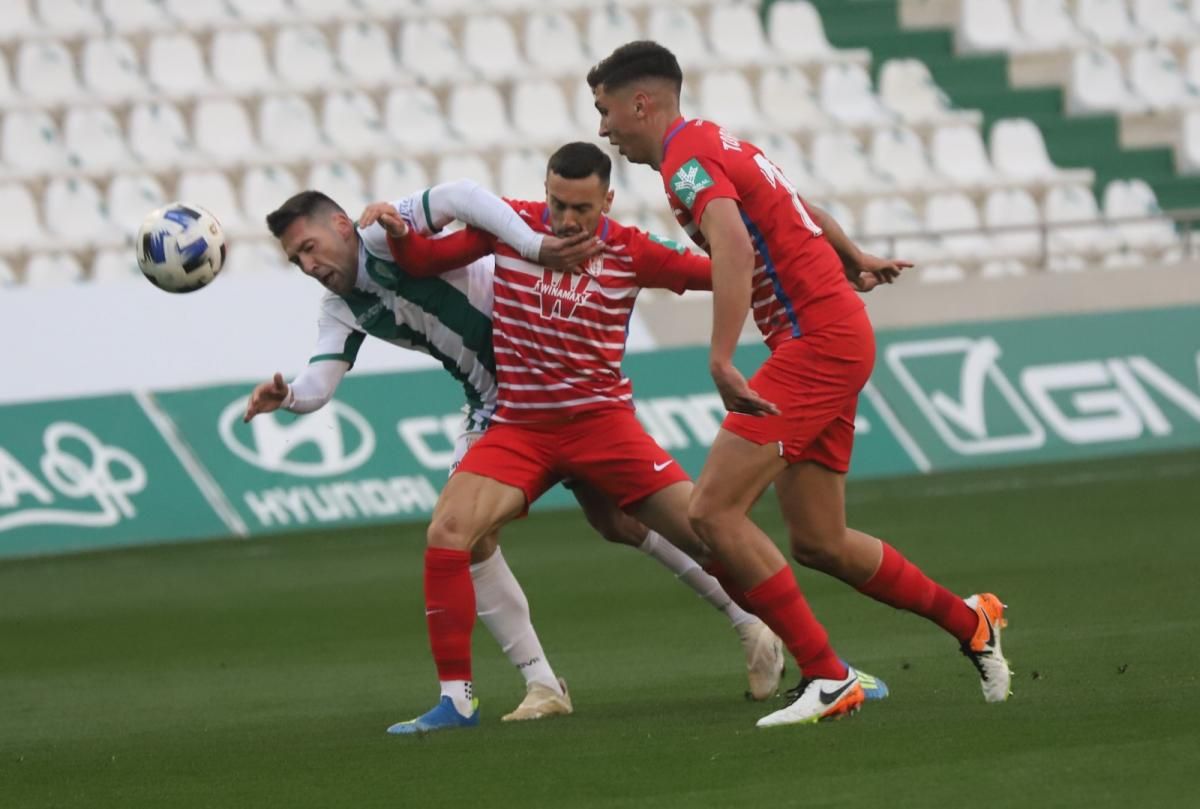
559 337
798 283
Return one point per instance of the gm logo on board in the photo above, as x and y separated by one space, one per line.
331 441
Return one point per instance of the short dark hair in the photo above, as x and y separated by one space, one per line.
643 59
578 159
304 204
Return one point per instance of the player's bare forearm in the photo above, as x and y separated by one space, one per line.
863 270
732 275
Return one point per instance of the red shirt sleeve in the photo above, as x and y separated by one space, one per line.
659 266
699 176
423 257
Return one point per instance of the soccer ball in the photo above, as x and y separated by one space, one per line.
181 247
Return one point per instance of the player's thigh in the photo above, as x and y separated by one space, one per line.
666 511
735 474
812 499
471 507
605 517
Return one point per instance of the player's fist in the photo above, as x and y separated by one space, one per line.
267 397
872 271
736 393
568 252
385 214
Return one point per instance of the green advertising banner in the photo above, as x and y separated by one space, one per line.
90 473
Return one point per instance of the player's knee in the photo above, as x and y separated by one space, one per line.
621 530
809 551
705 520
444 533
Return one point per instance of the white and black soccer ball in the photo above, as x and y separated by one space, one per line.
181 247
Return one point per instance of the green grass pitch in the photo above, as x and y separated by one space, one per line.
263 673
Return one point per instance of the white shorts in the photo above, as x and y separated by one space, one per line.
463 443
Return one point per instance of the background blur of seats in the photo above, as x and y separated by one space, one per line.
984 139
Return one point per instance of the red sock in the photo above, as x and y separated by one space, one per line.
901 584
779 603
449 611
718 572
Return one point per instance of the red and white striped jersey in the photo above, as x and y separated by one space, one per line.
559 337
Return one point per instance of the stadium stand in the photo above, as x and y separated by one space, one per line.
979 135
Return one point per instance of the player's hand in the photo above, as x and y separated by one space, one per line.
872 271
737 395
267 397
385 214
568 252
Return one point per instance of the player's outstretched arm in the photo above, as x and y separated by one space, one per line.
309 391
267 397
732 272
863 270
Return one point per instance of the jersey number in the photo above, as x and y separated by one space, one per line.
775 177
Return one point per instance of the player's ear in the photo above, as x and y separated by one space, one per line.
608 201
343 225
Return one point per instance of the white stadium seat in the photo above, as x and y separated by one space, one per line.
1075 207
31 142
20 226
785 153
53 270
1157 77
464 166
1098 84
1166 20
316 10
46 72
1048 24
1019 151
87 224
907 89
642 186
260 11
523 175
223 132
958 153
677 29
93 138
365 52
17 21
158 135
899 154
256 256
539 112
846 94
303 59
352 123
7 92
1125 199
190 14
175 65
239 61
263 190
130 197
428 51
954 211
394 178
1014 210
490 48
608 27
215 192
67 16
552 44
736 32
896 219
477 115
8 278
988 25
1189 154
1108 22
1193 65
414 118
786 97
726 97
111 70
844 215
838 161
342 182
115 266
288 126
796 32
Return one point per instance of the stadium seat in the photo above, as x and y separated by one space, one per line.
608 27
786 98
111 70
1048 25
53 270
552 45
539 112
844 215
46 72
726 97
1158 79
1189 152
263 190
736 32
678 29
894 219
1098 84
223 132
131 16
17 21
192 15
114 266
158 135
1193 65
797 34
130 197
1131 199
364 51
32 142
523 175
397 177
785 153
175 65
93 139
428 51
477 115
316 10
899 154
239 61
464 166
839 162
303 59
67 17
20 227
88 224
958 153
988 25
352 123
907 89
490 48
1015 213
846 94
643 186
1019 151
414 118
288 126
1165 20
1073 210
257 12
7 92
216 192
8 278
256 257
342 182
583 111
1107 22
954 211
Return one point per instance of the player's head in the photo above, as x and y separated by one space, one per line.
319 238
636 89
577 192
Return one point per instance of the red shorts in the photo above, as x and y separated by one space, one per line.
814 380
607 448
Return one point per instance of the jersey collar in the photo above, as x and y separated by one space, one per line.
673 130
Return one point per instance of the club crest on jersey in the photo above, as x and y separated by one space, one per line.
689 181
561 297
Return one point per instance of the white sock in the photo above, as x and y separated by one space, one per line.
501 605
460 692
656 546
